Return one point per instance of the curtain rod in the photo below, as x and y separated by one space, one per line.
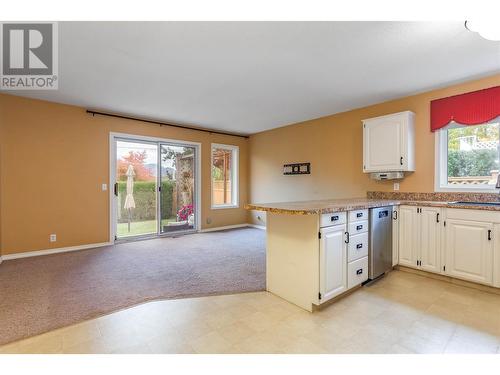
93 113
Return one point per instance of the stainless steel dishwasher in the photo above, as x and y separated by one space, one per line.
380 241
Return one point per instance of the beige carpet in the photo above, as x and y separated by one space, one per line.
43 293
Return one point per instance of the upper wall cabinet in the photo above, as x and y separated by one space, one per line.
389 143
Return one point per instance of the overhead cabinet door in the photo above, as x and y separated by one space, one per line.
388 143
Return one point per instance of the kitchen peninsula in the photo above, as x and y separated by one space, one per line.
318 250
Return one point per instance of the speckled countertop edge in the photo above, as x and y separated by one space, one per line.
340 205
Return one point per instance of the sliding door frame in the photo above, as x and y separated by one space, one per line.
113 138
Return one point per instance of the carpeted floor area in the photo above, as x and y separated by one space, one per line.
43 293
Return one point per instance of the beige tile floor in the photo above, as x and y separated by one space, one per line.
402 313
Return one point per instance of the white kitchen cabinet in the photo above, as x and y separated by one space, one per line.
420 237
430 239
407 236
395 236
469 250
333 262
389 143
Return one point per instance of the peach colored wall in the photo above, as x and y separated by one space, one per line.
334 146
53 160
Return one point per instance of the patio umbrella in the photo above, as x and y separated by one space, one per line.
129 198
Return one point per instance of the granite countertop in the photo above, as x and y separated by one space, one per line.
321 206
349 204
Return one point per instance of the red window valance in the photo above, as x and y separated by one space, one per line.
472 108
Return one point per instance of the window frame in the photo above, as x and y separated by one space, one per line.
441 166
235 194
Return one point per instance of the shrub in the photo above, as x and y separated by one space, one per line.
472 163
145 200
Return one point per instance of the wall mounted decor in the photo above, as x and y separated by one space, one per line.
297 168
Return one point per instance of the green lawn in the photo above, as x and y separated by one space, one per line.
139 227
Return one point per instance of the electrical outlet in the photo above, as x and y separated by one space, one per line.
104 187
396 186
209 220
52 238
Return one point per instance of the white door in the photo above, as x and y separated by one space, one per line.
333 262
469 250
383 144
408 247
430 239
395 235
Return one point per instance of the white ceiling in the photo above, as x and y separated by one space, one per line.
248 77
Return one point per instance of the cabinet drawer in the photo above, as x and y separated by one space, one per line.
358 227
358 246
358 215
332 219
357 272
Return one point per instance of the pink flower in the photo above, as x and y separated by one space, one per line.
185 211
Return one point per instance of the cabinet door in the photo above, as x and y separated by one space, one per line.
430 239
469 252
382 140
395 236
333 262
408 228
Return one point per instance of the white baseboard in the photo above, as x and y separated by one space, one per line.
263 227
233 227
1 260
224 228
54 251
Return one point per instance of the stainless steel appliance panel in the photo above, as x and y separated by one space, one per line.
380 239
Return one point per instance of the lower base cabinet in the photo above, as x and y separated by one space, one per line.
460 243
469 250
333 259
420 230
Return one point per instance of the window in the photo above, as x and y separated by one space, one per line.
224 176
468 157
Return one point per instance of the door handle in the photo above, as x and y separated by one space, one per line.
346 237
116 188
401 160
489 234
395 215
437 217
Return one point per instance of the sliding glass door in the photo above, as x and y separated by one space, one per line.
136 187
178 191
155 188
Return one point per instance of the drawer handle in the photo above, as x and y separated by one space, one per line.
359 246
359 272
359 227
334 218
346 237
359 214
